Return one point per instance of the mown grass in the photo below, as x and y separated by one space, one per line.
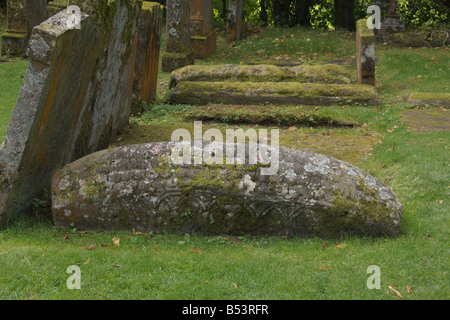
34 255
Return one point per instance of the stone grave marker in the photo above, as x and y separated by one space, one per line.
75 97
365 53
179 51
22 16
203 36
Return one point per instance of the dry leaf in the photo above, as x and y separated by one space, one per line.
323 246
91 247
364 125
235 286
395 291
154 248
196 250
82 232
324 267
104 245
116 241
117 265
293 128
340 246
87 261
409 289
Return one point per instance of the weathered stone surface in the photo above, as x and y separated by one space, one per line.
430 98
328 73
147 55
139 187
365 53
203 36
76 96
22 16
202 93
236 23
179 51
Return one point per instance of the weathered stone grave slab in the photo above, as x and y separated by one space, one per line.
236 23
251 93
147 55
139 187
427 120
22 16
329 73
365 53
76 96
179 51
203 36
429 98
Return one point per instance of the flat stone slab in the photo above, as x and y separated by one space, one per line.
427 120
251 93
140 187
429 98
327 73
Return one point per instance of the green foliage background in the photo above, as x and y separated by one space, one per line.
414 13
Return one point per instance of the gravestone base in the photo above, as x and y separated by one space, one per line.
172 60
203 45
14 43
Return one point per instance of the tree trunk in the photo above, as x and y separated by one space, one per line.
302 14
344 14
263 14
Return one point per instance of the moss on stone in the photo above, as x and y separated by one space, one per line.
201 93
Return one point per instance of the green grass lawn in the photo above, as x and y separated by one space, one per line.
34 255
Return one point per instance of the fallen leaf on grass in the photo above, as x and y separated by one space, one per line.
409 289
235 286
293 128
117 266
82 232
395 291
324 267
105 245
154 248
340 246
116 241
196 250
91 247
87 261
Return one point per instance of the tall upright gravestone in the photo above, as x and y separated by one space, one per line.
147 55
179 52
76 96
203 37
365 53
236 24
22 16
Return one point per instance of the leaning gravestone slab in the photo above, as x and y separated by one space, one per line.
140 187
75 97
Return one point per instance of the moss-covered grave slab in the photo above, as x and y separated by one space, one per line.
429 98
141 187
251 93
427 120
327 73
